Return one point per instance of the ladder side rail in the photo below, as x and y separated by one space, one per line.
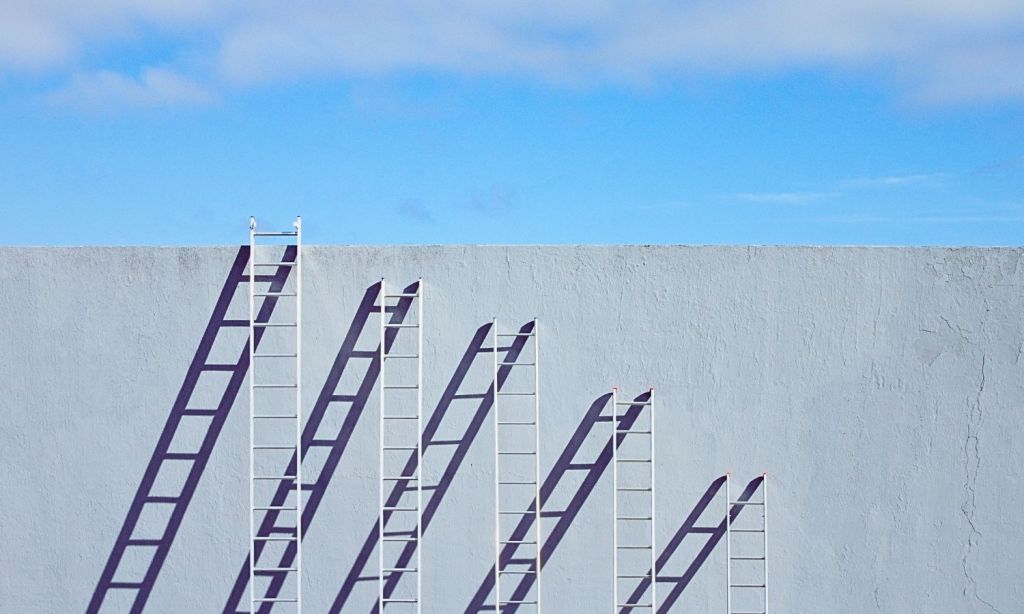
615 500
538 502
252 416
654 501
380 466
298 415
497 472
728 543
419 447
764 511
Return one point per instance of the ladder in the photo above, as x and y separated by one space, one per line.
517 486
629 486
150 497
755 578
266 407
397 443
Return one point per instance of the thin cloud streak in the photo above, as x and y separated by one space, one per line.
785 198
105 91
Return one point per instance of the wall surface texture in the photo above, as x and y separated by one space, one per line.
880 389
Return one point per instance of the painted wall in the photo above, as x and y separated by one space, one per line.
879 388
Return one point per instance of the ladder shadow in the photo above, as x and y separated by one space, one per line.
182 417
566 462
357 402
477 346
689 527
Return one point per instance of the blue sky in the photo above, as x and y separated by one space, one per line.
768 122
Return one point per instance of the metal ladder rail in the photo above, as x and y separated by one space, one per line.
619 434
537 541
385 512
763 530
257 603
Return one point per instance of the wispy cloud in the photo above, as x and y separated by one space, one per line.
785 198
893 180
107 91
921 219
936 52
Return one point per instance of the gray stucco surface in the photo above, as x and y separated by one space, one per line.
880 389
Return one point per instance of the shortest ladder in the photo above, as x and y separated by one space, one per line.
633 530
516 466
749 593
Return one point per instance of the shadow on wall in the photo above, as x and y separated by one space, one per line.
434 449
328 399
150 501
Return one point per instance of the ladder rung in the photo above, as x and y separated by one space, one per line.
515 334
401 356
634 605
400 478
275 416
632 403
276 600
516 602
273 385
517 572
394 508
399 600
273 294
746 586
273 569
270 508
746 530
632 489
627 432
399 447
273 264
517 364
274 539
275 355
400 417
632 460
399 539
519 541
401 325
402 295
273 447
508 423
283 233
634 576
515 453
746 503
516 513
746 558
277 324
399 386
399 569
517 482
273 477
516 394
633 547
634 518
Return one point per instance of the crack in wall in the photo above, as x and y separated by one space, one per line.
972 462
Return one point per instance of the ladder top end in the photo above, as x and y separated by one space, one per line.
298 221
252 223
728 473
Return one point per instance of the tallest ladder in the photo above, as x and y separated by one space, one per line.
275 415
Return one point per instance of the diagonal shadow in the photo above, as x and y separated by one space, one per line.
714 533
477 346
567 462
182 417
368 307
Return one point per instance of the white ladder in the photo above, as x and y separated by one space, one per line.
621 429
389 478
522 487
759 582
290 417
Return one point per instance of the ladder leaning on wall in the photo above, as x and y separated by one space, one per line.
400 524
754 578
283 418
523 481
640 493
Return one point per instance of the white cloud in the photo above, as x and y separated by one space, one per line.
938 51
894 180
106 90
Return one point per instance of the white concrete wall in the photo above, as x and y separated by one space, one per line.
880 388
